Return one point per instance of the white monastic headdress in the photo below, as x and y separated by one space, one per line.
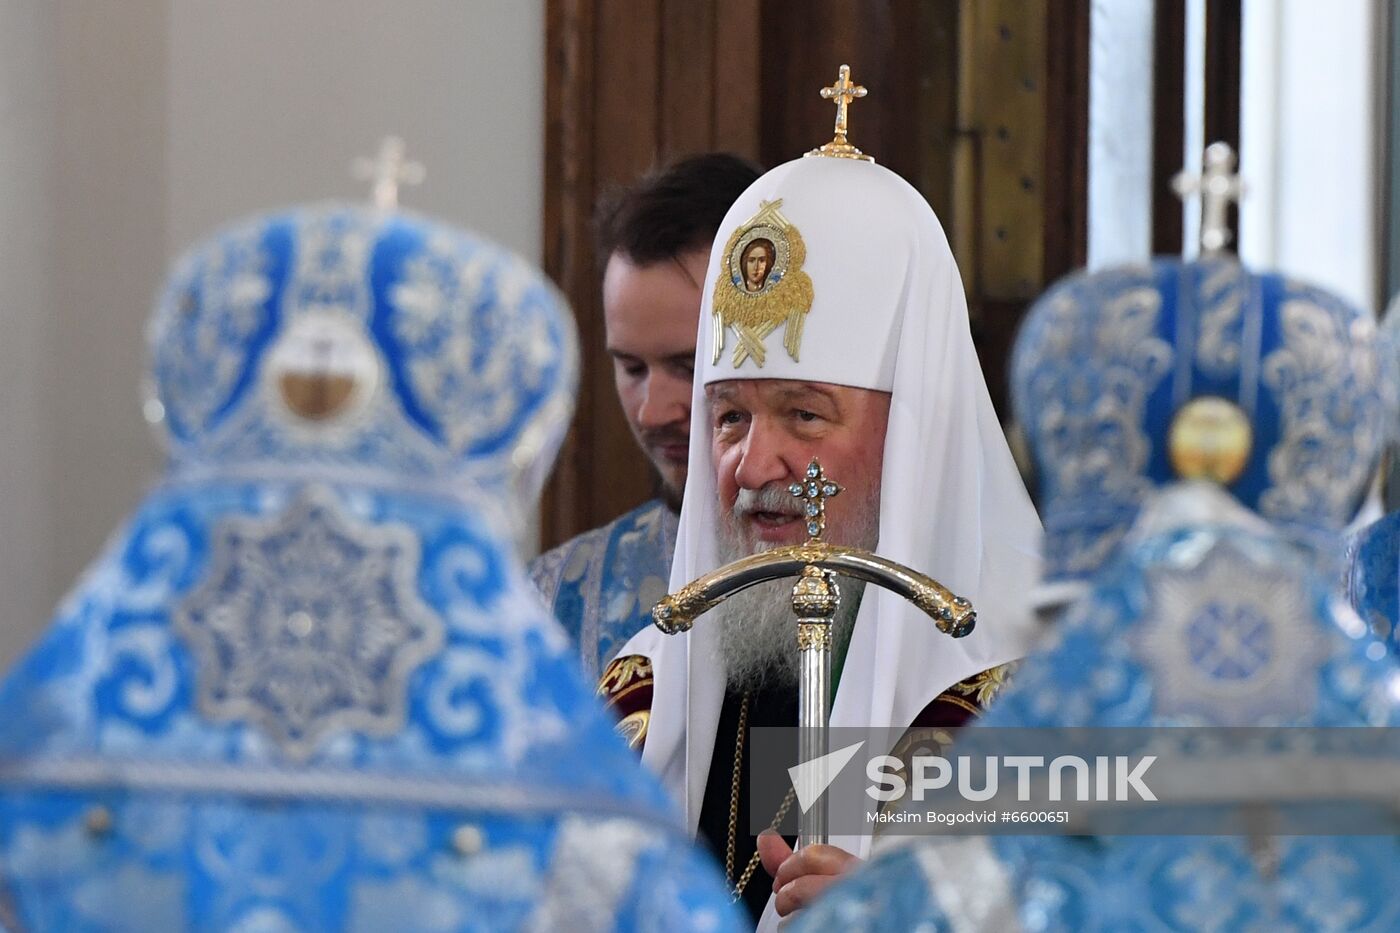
873 300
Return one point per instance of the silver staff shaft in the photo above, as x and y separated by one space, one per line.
813 716
815 597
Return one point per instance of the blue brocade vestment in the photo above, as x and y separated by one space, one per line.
603 583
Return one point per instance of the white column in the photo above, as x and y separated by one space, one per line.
1309 140
1120 132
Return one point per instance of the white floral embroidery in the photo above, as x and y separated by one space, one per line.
201 331
1325 381
1221 639
1084 369
1223 295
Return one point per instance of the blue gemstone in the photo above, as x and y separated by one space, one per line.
812 510
813 529
795 489
829 489
812 491
736 280
812 470
775 277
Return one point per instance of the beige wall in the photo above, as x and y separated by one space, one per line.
1310 141
271 99
127 130
107 255
27 77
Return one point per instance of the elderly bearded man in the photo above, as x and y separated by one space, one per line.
857 352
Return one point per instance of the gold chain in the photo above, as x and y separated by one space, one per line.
754 861
734 791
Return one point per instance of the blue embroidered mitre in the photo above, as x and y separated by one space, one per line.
345 338
1111 366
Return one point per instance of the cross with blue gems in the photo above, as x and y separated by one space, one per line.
814 490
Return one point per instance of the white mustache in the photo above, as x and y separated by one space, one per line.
771 498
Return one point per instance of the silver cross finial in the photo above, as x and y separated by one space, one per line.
1218 186
386 171
814 490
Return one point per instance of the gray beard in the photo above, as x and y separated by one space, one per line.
757 628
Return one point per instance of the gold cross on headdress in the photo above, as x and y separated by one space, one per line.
842 92
1218 186
814 490
386 171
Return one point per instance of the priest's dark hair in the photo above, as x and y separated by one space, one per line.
671 210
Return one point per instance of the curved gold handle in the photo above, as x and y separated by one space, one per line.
677 612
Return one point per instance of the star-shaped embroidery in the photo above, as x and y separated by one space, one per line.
309 623
1223 639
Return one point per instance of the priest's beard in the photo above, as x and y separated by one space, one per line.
758 632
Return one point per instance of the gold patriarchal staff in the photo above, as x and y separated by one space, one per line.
815 597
